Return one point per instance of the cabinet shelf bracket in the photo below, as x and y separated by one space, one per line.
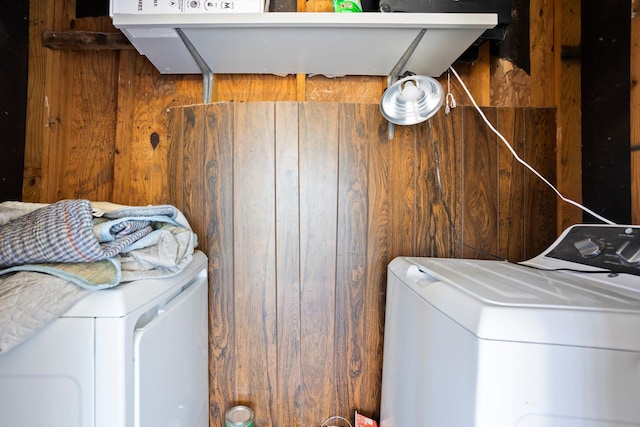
402 62
207 74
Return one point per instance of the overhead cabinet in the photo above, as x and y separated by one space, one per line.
325 43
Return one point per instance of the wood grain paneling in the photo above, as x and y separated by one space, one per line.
288 264
511 124
254 258
218 184
141 95
569 157
480 197
318 205
442 189
301 206
539 152
544 35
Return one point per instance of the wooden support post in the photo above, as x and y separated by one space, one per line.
569 144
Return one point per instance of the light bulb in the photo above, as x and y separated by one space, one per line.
410 91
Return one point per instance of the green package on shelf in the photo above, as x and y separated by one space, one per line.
342 6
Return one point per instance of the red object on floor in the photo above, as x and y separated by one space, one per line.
362 421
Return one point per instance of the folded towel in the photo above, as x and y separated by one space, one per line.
62 232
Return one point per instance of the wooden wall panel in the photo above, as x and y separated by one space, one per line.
442 189
303 205
351 267
288 265
254 258
85 170
45 98
142 96
93 115
362 255
154 93
544 34
511 124
402 179
480 197
80 105
318 151
540 202
192 153
218 137
377 258
249 87
569 139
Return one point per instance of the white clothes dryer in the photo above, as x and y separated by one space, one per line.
133 355
551 342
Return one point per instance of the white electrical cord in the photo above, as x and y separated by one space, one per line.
525 164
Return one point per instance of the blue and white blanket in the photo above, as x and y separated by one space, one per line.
52 255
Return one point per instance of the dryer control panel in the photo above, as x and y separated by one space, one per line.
614 247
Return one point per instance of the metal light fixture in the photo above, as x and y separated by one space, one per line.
411 100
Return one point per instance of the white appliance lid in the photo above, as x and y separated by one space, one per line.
498 300
125 298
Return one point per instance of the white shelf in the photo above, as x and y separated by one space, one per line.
307 43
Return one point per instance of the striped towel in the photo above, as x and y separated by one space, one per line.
62 232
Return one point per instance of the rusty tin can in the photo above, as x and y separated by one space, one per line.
239 416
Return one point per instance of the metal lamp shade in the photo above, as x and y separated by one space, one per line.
412 100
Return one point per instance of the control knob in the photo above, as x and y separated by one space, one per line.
588 248
629 252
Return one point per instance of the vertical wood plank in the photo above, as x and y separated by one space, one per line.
57 16
124 127
218 141
318 135
569 143
301 94
441 177
480 187
175 122
545 54
423 207
510 124
288 265
351 257
40 67
540 200
193 167
254 258
402 183
377 259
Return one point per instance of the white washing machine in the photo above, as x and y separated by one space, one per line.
131 356
495 344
